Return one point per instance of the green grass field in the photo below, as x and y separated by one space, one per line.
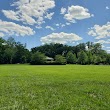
69 87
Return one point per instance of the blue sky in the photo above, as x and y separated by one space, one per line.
36 22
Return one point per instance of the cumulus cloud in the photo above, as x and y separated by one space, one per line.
31 11
10 28
100 32
76 13
49 27
62 38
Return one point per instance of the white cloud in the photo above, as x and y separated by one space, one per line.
103 46
108 51
27 19
57 25
10 28
60 25
107 8
38 27
63 10
77 13
31 11
68 23
49 27
103 41
62 38
108 47
49 15
63 25
11 15
100 32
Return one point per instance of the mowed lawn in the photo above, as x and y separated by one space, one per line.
68 87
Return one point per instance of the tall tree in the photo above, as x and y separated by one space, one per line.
60 59
8 55
71 58
96 49
108 59
3 46
38 58
90 57
82 58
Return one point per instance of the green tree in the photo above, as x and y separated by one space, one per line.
3 46
96 59
60 59
108 59
20 51
23 59
89 45
96 48
38 58
82 58
8 55
103 56
71 58
90 57
11 42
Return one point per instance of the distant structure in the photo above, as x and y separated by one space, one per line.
49 59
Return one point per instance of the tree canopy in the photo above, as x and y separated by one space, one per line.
12 52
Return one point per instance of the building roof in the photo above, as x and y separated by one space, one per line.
49 58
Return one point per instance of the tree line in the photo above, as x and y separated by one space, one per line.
12 52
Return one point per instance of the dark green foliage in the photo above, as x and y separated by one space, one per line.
12 52
38 58
82 58
90 57
51 50
8 55
20 52
96 59
23 59
2 50
60 59
96 48
108 59
71 58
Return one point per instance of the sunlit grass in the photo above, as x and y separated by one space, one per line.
69 87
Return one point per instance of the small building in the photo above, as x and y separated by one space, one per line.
49 59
